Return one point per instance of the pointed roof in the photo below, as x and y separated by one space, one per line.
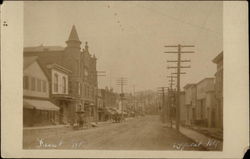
218 58
28 61
73 34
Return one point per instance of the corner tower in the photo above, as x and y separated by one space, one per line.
73 41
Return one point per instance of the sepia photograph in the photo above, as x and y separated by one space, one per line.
113 75
147 79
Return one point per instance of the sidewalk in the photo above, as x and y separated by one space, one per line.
45 127
215 133
65 128
209 143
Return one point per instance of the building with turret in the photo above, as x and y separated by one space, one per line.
80 67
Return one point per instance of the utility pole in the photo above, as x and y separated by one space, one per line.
161 91
98 74
171 81
178 73
170 97
122 81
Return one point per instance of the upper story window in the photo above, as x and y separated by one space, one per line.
83 90
33 84
44 86
64 84
70 87
93 92
55 82
26 82
87 91
79 88
39 85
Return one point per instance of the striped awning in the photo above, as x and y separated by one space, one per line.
39 104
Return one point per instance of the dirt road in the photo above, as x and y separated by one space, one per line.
144 133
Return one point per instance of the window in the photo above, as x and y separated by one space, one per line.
88 91
64 84
79 88
93 92
26 82
70 87
33 84
85 90
55 82
82 90
39 85
44 86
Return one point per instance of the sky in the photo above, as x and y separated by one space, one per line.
128 38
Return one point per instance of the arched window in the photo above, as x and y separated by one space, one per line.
64 84
55 82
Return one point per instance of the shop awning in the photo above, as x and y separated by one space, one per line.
39 104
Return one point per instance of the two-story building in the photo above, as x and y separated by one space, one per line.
190 102
59 92
37 107
204 105
218 60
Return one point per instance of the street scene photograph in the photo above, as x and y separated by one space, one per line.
123 75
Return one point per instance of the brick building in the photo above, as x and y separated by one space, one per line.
59 91
82 81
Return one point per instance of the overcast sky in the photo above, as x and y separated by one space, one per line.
128 38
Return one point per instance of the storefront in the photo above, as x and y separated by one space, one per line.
39 112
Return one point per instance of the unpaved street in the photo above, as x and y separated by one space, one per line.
144 133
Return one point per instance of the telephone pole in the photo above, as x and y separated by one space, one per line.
178 72
96 75
170 98
161 91
171 81
122 81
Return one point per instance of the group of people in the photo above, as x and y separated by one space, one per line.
79 121
117 117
